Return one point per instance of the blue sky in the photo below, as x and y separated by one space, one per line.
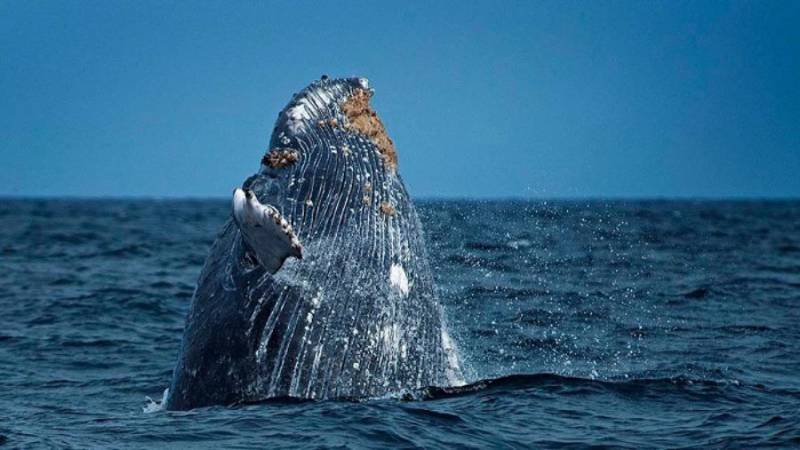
483 99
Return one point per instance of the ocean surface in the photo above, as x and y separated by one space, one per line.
634 324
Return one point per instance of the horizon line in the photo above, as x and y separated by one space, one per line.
556 198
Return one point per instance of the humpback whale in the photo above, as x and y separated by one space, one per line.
319 285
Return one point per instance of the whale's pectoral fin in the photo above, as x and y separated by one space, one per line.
265 231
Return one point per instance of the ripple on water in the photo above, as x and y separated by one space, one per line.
655 324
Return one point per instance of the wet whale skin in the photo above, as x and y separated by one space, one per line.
357 316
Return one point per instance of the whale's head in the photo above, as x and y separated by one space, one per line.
329 158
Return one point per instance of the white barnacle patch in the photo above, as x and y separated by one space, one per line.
398 279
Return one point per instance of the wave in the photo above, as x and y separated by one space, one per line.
545 383
550 382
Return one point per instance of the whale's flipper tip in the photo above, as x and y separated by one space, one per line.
265 231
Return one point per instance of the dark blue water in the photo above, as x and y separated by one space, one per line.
624 324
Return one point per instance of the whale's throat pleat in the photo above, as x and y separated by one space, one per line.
265 231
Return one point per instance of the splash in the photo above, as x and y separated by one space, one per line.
153 406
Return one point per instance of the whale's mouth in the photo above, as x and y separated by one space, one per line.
265 230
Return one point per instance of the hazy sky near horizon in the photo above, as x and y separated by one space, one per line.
482 99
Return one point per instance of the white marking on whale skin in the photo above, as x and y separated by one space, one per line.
299 114
391 336
306 107
398 279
